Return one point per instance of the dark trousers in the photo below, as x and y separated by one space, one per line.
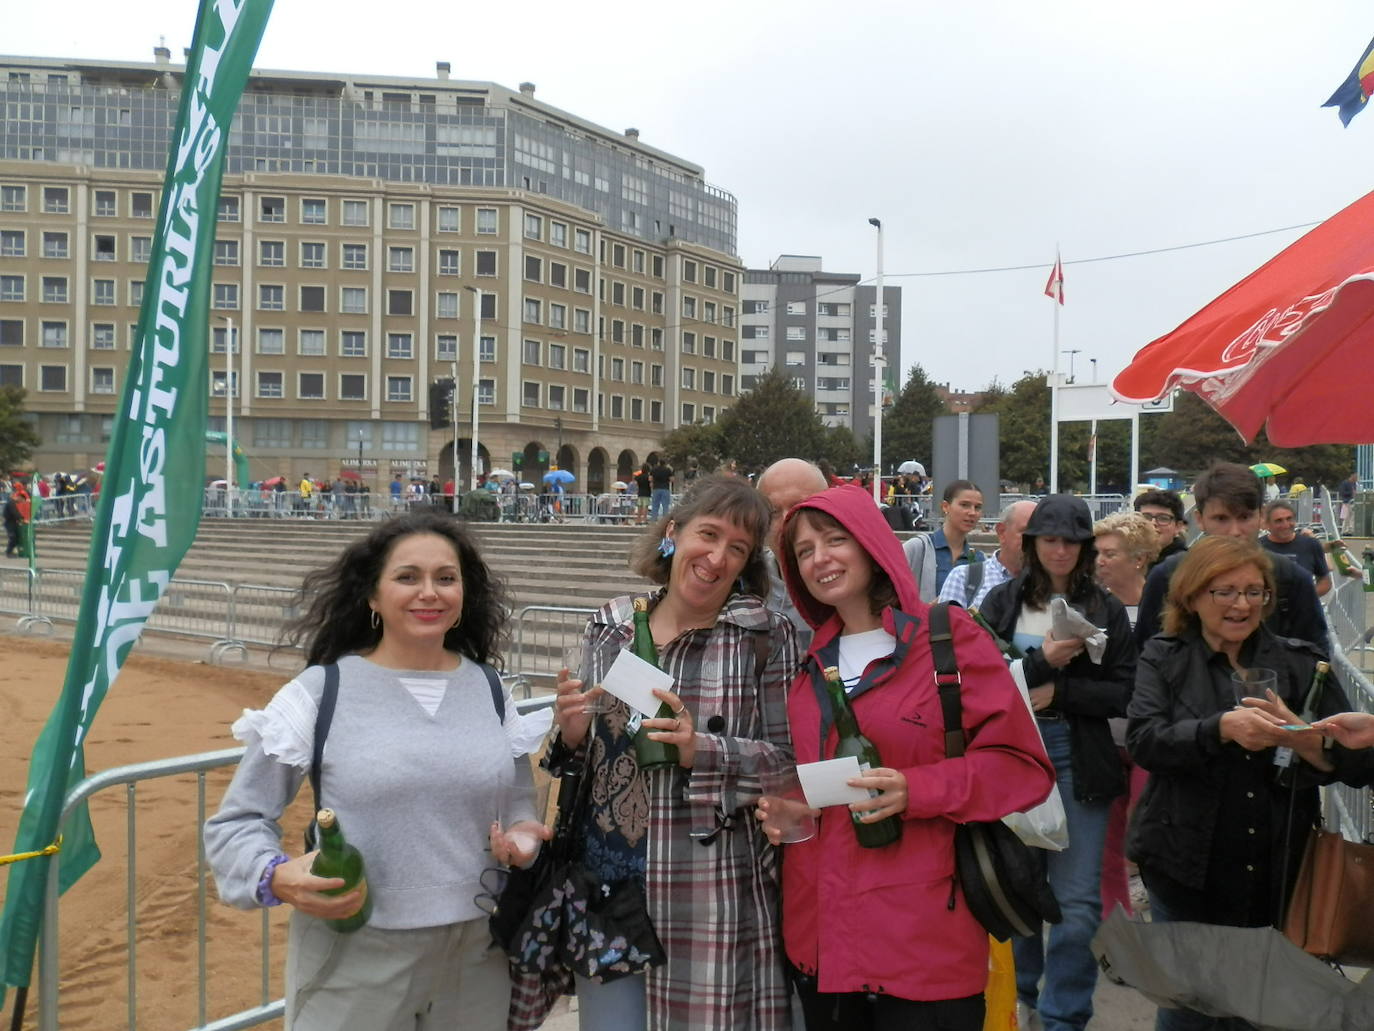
862 1011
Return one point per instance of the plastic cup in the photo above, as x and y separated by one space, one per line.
1253 683
786 811
594 701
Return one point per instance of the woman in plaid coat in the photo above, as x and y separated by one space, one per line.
710 877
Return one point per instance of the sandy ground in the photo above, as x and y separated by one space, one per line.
163 706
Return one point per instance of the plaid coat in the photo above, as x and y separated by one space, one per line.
714 905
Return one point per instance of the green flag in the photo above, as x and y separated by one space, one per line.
150 499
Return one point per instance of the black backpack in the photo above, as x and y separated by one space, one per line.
1002 878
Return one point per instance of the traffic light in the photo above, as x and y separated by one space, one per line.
517 459
440 403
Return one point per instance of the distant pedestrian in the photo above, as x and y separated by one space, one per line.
18 508
661 479
1349 486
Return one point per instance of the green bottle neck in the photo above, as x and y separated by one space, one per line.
845 723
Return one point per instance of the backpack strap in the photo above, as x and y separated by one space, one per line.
498 696
324 716
973 579
947 679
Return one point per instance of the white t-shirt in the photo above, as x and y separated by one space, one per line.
858 650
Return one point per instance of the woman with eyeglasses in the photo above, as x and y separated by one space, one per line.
1212 834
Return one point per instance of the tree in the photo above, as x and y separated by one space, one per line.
773 420
907 425
1023 433
699 440
18 438
842 449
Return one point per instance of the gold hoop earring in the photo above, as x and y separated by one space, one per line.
376 620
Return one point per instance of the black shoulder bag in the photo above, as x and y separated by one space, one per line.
1002 878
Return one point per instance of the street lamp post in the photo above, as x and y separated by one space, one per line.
228 417
1071 351
476 372
879 361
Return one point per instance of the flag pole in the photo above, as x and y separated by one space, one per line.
1057 279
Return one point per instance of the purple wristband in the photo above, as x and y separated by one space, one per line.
264 893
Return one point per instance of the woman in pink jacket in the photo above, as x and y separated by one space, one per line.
881 937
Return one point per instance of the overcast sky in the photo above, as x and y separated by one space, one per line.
982 134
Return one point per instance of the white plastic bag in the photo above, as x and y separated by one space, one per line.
1045 825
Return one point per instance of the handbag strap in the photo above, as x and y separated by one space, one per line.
947 679
324 716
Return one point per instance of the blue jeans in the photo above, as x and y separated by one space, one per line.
1067 965
1182 1019
618 1006
659 502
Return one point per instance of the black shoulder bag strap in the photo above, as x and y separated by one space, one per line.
972 581
498 697
947 679
324 716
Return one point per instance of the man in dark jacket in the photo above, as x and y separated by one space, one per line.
1228 501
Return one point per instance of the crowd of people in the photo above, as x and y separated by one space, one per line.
1102 669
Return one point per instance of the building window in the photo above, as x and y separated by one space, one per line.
708 347
352 386
11 288
618 255
708 381
54 334
226 296
727 384
314 213
558 316
486 392
14 198
534 269
533 310
141 204
531 352
755 307
446 305
534 227
400 436
728 282
582 280
103 336
217 383
56 201
689 379
398 388
655 411
486 349
400 259
272 433
271 341
488 305
310 386
228 209
312 255
558 234
269 384
352 344
354 256
355 213
217 339
12 243
556 394
617 331
689 343
796 332
53 378
400 345
449 220
141 250
353 300
103 291
102 380
582 360
689 271
617 406
54 289
446 347
271 297
486 222
655 375
12 376
400 302
272 209
55 245
618 370
271 253
136 293
449 264
796 307
580 398
312 298
315 432
558 275
529 394
618 294
310 343
486 263
226 252
689 307
582 241
582 320
689 414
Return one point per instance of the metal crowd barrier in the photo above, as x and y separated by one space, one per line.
1350 810
131 776
543 634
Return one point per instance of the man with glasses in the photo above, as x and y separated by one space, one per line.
1228 500
1164 509
1304 550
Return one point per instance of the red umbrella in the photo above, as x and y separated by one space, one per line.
1290 343
273 481
349 474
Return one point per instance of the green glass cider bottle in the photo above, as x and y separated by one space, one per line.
650 754
338 858
852 742
1007 648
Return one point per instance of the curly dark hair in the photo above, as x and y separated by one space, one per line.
337 620
727 497
1039 587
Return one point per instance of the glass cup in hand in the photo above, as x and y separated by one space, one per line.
594 700
1253 683
787 818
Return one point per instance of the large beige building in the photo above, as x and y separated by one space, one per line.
369 229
